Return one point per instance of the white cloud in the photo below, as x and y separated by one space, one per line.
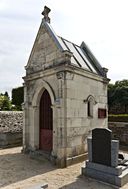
102 24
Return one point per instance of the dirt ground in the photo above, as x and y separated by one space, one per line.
18 171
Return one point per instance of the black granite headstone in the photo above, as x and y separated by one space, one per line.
101 146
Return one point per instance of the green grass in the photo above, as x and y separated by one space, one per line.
118 118
118 115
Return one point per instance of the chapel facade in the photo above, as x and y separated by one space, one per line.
65 96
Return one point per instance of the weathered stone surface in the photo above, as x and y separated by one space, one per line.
119 131
10 139
11 121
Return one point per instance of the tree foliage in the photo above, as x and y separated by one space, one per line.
18 97
118 97
5 103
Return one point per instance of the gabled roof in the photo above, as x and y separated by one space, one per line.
82 56
79 56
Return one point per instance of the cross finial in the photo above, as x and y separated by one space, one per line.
45 14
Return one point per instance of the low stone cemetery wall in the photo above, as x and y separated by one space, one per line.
119 131
11 126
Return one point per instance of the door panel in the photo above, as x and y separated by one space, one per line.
46 122
46 139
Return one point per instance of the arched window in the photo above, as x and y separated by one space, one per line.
90 103
90 108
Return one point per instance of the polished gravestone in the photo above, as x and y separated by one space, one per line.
103 163
101 146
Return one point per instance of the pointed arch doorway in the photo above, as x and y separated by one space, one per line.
46 123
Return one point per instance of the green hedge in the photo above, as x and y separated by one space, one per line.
118 118
18 97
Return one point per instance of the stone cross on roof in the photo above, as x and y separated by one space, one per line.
45 13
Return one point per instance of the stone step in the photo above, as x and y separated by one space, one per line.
40 155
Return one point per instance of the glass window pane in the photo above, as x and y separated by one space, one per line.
77 56
73 61
83 55
62 43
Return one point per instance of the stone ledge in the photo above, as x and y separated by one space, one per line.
103 168
76 159
117 180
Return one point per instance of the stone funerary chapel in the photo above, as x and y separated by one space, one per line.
65 96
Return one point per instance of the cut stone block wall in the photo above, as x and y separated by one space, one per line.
79 124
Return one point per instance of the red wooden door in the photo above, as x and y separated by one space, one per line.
46 122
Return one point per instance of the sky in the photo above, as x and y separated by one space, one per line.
101 24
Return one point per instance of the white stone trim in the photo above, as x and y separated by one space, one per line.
34 138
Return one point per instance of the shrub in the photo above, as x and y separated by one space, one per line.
18 97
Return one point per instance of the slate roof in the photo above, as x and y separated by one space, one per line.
82 55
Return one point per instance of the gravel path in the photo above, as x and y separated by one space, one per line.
18 171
